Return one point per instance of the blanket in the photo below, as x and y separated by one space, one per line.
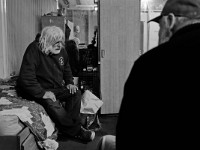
30 113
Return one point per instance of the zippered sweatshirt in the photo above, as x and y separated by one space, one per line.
40 72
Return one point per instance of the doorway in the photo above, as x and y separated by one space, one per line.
149 31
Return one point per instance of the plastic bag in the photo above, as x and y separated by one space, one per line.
90 104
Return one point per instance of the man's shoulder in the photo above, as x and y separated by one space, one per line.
32 49
33 46
158 52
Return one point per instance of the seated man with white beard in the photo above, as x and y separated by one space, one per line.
45 77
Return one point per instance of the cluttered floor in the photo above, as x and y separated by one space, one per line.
107 127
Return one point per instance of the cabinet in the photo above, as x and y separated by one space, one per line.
90 81
30 143
86 18
59 21
89 78
24 140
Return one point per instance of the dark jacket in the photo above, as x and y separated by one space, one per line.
160 106
40 72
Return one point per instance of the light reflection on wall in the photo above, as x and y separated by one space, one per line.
153 5
149 10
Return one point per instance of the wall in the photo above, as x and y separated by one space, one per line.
3 37
20 24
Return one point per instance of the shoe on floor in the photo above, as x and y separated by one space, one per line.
85 135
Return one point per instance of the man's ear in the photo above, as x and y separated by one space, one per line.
171 20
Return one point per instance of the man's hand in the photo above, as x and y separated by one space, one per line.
49 95
72 88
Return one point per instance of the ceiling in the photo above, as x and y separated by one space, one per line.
154 5
71 3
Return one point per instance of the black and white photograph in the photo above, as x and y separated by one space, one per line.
99 74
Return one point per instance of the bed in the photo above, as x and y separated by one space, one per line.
18 115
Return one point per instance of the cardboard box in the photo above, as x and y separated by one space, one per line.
13 142
30 143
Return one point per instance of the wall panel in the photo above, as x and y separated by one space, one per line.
3 37
23 23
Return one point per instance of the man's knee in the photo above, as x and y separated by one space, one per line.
51 104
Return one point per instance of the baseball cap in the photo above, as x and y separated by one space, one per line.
184 8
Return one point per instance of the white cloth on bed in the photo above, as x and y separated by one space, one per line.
23 113
4 101
49 125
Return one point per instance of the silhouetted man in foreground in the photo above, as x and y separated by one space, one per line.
159 109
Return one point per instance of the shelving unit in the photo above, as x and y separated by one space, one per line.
89 76
90 81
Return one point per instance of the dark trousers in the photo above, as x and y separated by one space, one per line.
65 112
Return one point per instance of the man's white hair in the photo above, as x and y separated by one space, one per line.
49 36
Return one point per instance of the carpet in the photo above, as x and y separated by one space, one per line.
108 126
